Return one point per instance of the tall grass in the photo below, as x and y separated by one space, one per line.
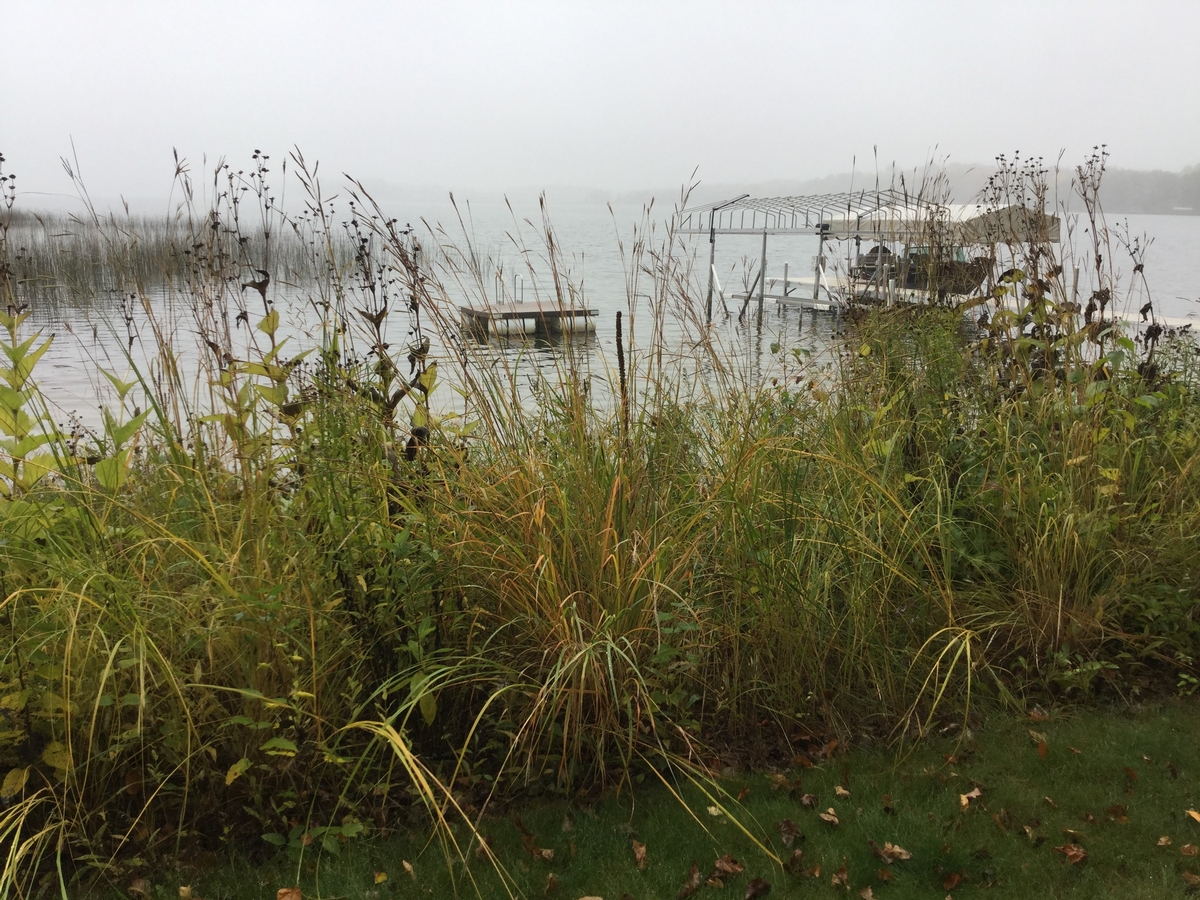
302 597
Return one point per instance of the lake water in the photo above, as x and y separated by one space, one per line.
598 249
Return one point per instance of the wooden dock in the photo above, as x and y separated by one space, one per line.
514 318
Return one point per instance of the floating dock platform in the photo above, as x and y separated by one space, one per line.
526 318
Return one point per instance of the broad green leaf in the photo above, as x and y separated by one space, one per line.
428 378
278 746
112 472
270 323
14 782
276 395
122 433
237 770
57 756
122 387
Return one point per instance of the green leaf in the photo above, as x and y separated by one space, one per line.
278 746
277 839
270 323
428 378
14 782
122 387
112 472
122 433
237 770
57 756
276 395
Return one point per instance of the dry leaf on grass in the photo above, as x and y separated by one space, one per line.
964 800
1191 878
757 888
691 885
953 880
1129 773
742 794
639 854
867 894
1164 841
840 878
1118 813
793 865
808 800
829 816
185 892
568 823
1195 815
380 877
841 791
551 884
292 893
727 865
885 874
789 831
408 869
1073 853
139 886
1189 850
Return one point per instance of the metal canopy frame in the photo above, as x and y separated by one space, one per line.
884 215
792 215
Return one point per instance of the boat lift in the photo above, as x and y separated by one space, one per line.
883 216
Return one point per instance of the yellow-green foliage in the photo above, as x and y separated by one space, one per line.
288 611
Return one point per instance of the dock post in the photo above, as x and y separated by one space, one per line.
820 259
785 281
712 263
762 282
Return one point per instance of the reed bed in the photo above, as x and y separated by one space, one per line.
309 598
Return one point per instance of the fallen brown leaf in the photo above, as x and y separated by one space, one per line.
778 781
953 880
1118 813
829 816
292 893
727 865
639 854
551 884
568 823
1129 773
867 894
714 881
1037 714
885 874
742 794
792 866
1189 850
887 805
841 791
1089 818
757 888
1043 749
185 892
1195 815
893 852
1073 853
801 761
139 886
1164 841
483 847
408 869
1191 877
691 885
808 800
789 831
546 854
840 878
964 800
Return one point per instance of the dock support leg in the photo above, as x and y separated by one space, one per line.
712 262
762 282
817 272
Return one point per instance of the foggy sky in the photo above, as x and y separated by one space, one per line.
608 95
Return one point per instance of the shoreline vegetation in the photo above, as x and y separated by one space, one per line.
291 602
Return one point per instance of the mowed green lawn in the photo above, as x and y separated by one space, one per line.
1082 803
